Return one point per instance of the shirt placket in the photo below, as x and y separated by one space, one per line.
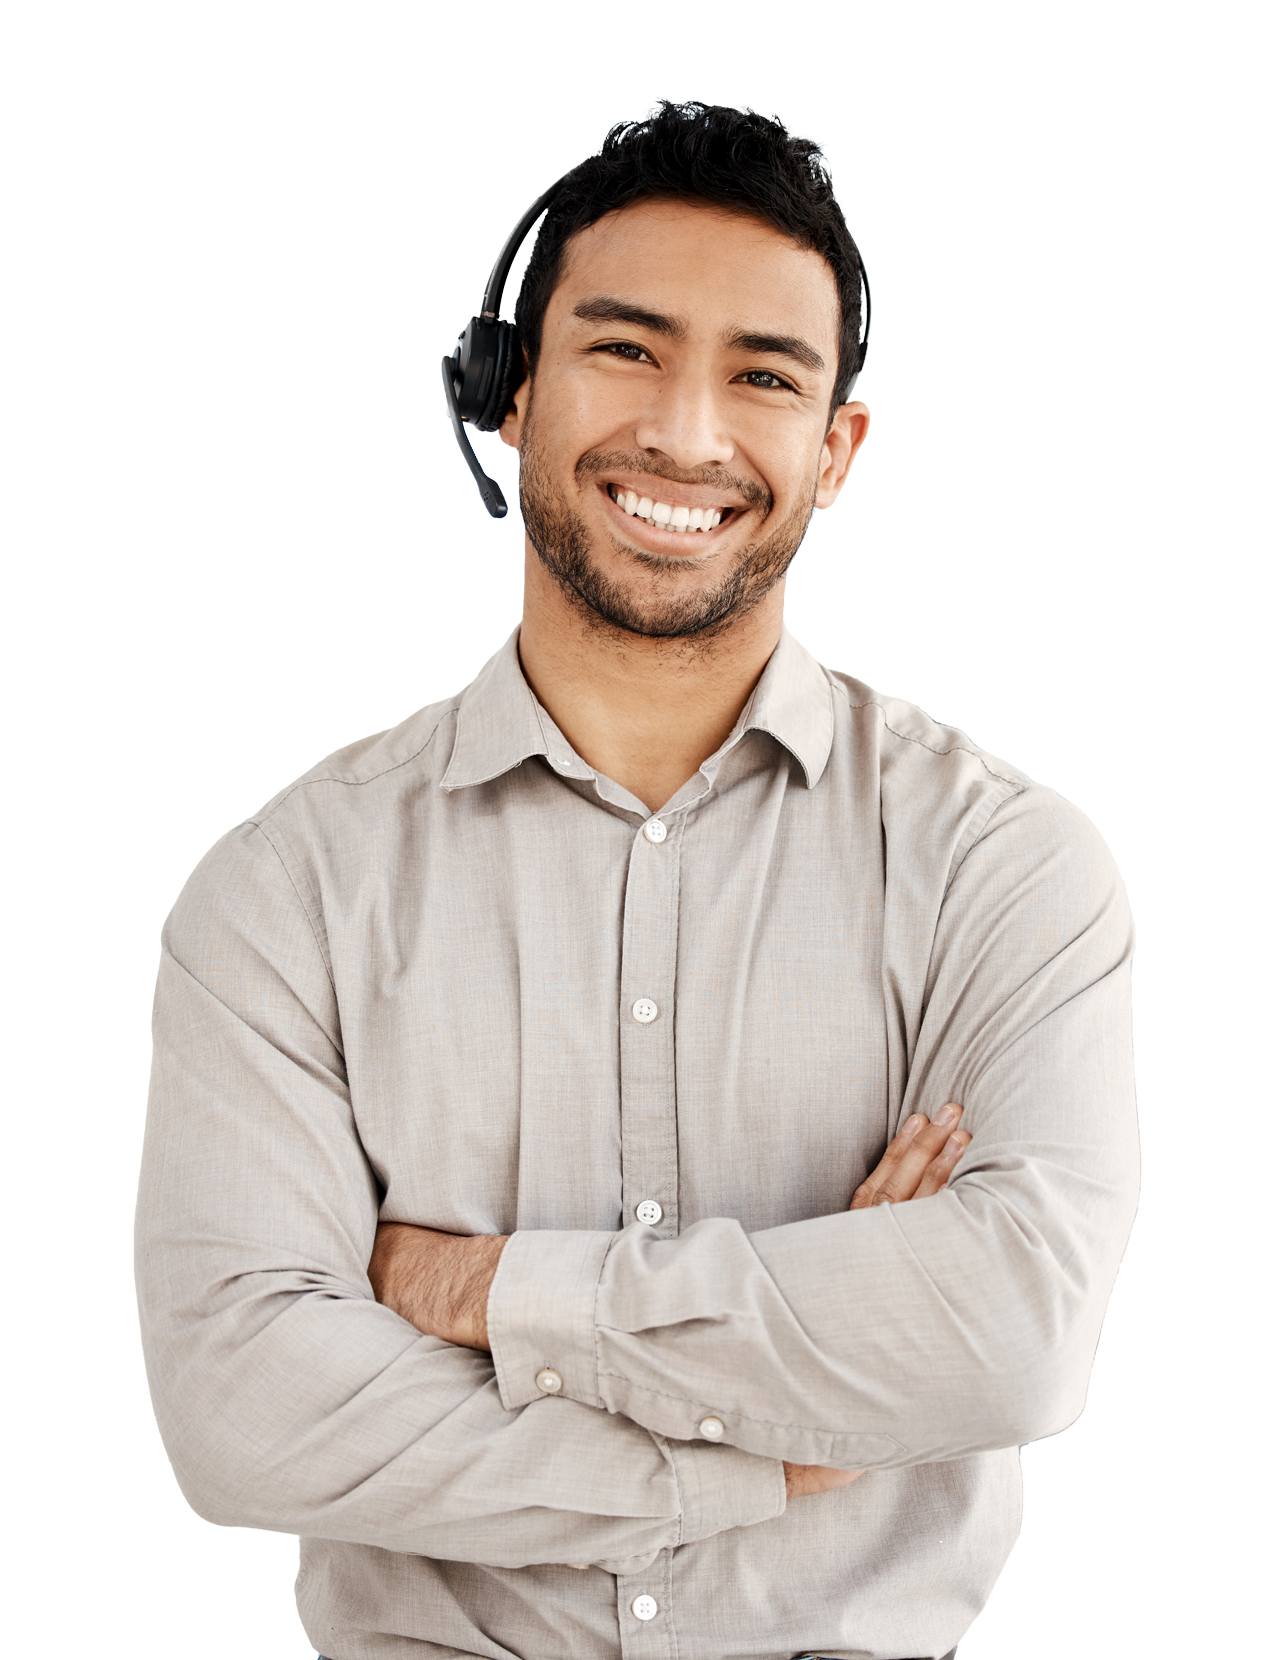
647 1052
650 1174
646 1619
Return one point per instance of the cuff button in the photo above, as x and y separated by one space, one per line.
712 1429
549 1381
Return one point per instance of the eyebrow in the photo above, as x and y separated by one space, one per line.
606 309
777 345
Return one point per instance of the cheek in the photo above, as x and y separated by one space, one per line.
601 410
787 458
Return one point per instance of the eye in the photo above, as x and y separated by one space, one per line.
766 380
625 349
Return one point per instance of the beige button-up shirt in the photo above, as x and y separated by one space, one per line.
455 977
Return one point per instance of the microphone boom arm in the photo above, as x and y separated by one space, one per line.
490 494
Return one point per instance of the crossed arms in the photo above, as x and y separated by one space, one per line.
893 1334
440 1282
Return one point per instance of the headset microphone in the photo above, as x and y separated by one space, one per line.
488 364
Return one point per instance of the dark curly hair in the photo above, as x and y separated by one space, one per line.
732 158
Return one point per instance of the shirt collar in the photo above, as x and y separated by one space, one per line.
500 722
792 702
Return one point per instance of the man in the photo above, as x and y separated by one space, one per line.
536 1082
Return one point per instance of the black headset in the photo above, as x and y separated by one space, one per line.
488 362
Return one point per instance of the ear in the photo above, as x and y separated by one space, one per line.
512 427
843 441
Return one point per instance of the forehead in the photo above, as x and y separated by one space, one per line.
709 265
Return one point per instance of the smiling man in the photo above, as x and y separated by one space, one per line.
540 1086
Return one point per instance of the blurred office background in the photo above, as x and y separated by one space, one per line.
422 586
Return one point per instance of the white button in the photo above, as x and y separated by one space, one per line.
550 1382
649 1211
644 1009
655 831
712 1428
644 1608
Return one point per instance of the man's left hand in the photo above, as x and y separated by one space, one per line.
918 1162
438 1282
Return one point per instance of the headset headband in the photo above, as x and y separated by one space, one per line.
506 259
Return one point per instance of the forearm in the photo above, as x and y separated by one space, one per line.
336 1420
893 1335
289 1399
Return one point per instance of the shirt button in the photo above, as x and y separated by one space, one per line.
644 1009
712 1428
655 831
644 1608
649 1211
549 1381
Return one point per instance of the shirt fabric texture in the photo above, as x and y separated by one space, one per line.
405 990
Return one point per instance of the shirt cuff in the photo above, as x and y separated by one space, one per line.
723 1487
542 1316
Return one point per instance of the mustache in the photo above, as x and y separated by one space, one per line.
748 490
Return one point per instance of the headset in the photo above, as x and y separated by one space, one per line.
487 364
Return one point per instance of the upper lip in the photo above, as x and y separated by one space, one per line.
675 495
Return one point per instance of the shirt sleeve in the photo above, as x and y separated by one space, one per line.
913 1332
287 1397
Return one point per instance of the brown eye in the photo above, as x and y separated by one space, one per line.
765 379
627 350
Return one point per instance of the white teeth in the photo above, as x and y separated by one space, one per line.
662 515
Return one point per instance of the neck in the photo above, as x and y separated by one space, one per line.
646 713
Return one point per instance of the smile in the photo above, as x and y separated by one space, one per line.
662 516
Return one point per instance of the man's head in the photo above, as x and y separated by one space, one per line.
690 317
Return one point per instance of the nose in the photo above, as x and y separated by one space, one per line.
685 423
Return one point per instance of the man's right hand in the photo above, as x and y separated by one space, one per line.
917 1164
803 1479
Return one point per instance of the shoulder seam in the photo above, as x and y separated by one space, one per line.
303 783
963 749
321 947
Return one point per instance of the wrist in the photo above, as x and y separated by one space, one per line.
438 1282
475 1264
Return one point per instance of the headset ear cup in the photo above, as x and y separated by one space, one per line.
507 375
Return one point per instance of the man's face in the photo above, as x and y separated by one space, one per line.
675 438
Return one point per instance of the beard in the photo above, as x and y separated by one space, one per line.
653 605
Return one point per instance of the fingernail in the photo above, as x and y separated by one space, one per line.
956 1145
945 1115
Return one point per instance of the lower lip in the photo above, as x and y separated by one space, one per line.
675 541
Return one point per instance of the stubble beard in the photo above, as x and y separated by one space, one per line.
652 606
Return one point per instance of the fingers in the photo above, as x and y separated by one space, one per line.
938 1174
893 1156
803 1479
918 1161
